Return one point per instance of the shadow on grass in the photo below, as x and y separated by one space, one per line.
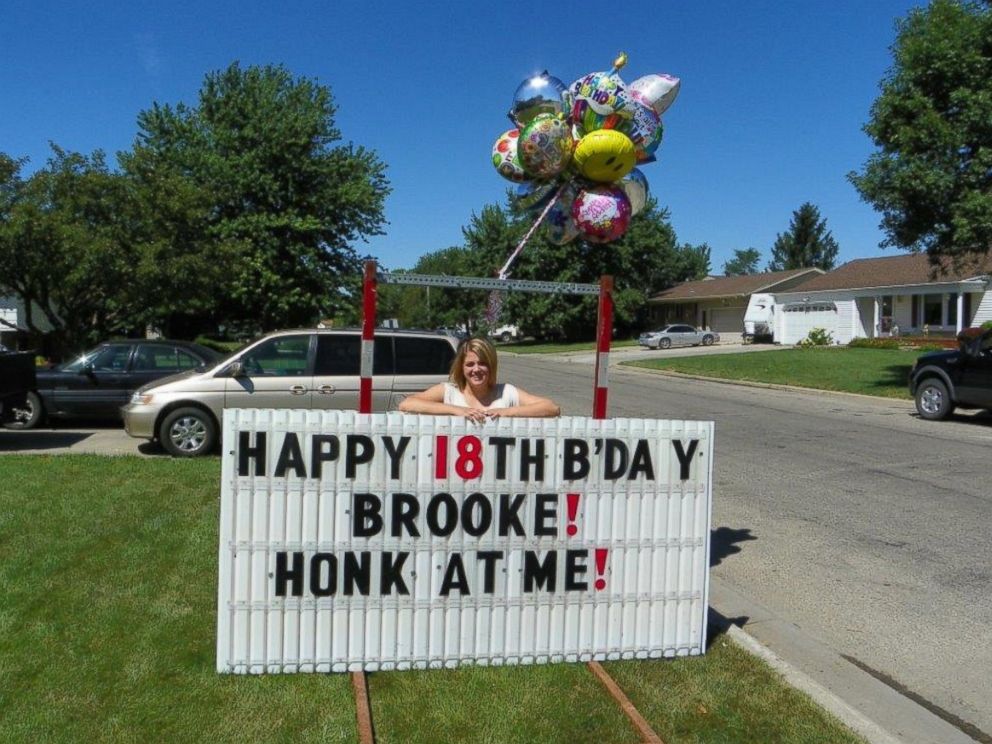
895 375
724 542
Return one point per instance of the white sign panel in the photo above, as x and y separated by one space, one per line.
395 541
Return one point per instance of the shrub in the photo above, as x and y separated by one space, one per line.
223 347
817 337
876 343
987 325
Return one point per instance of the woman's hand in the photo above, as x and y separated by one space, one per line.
478 415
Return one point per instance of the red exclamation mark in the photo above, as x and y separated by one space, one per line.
573 510
601 554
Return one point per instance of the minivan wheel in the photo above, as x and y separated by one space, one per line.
27 416
188 432
933 402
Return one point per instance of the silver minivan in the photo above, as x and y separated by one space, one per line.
304 368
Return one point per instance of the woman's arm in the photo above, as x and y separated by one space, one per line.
529 406
431 401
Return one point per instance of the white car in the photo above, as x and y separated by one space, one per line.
505 333
677 335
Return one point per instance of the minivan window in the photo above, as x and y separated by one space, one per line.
341 354
283 356
423 356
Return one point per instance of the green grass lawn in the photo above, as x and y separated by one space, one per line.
108 572
882 372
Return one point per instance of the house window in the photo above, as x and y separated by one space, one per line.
932 309
952 310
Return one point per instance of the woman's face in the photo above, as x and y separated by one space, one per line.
475 370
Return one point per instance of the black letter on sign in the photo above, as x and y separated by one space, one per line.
642 461
395 455
319 455
684 457
546 514
527 460
501 444
576 459
404 514
291 456
246 452
489 558
485 514
357 574
285 574
391 575
543 574
509 514
451 515
331 586
615 450
365 517
574 570
359 450
451 581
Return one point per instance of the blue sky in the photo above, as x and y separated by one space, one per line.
774 95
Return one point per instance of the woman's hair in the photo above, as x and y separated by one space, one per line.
486 353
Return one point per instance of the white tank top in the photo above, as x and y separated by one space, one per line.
506 396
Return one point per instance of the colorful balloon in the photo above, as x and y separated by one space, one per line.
541 94
644 129
605 156
506 158
534 195
635 186
545 146
599 101
602 213
659 91
561 227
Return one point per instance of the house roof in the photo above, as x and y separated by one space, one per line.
730 286
894 271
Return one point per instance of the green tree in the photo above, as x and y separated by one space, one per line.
807 243
434 307
66 248
931 177
744 262
264 193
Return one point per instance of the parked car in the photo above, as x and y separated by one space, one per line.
677 335
308 368
505 333
459 334
943 380
97 383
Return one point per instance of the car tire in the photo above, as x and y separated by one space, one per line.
29 416
188 432
707 340
933 401
665 343
505 337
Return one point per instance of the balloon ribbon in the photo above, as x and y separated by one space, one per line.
504 272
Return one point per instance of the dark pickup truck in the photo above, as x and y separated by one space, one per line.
17 379
943 380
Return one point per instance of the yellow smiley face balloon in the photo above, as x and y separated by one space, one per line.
604 155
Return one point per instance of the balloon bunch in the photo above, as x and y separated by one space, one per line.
574 149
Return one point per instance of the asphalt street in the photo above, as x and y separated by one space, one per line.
849 536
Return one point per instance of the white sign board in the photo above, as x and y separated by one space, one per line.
392 541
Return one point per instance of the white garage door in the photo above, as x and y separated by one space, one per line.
799 318
727 319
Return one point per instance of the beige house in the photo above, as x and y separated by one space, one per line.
718 303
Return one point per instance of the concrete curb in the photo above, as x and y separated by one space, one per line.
849 716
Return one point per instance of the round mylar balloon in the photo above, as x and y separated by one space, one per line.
644 129
531 195
601 213
599 101
561 226
545 146
541 94
635 186
659 91
605 155
506 158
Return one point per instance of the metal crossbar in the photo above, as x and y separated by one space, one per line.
476 282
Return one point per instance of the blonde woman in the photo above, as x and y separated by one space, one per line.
474 393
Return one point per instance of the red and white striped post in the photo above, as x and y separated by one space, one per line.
369 292
604 332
